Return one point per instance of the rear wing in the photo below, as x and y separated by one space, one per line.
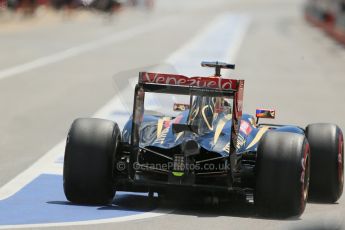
179 84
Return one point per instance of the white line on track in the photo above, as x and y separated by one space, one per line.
225 48
151 214
83 48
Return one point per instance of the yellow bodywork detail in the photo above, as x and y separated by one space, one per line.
220 127
178 136
205 118
258 136
160 125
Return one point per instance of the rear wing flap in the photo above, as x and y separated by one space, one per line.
179 84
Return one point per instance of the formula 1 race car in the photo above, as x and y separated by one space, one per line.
207 145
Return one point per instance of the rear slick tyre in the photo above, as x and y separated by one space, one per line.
327 164
89 160
282 174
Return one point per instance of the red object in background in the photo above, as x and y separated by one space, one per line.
339 34
329 26
149 4
1 4
42 2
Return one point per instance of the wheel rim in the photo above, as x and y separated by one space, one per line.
305 175
306 179
341 161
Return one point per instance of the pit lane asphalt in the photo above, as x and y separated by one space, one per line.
287 65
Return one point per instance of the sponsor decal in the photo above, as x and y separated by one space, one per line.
245 127
200 82
240 141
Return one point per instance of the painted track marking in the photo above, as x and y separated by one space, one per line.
83 48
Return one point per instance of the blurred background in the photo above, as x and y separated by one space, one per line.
63 59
